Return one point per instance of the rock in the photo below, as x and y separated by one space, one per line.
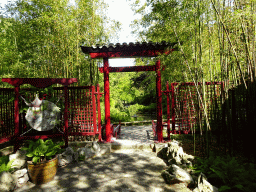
175 150
19 159
7 182
174 155
69 151
204 185
95 146
169 178
180 174
66 157
163 154
21 177
75 156
63 159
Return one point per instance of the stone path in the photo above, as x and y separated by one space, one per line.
125 169
136 133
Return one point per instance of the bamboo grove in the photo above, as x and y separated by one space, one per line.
216 43
42 38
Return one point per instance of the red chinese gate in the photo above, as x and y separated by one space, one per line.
126 51
84 108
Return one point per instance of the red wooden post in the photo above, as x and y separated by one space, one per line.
16 118
99 112
66 115
94 110
168 109
159 103
173 109
107 100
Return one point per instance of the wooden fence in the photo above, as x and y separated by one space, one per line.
83 114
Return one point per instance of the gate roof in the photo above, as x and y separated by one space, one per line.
125 50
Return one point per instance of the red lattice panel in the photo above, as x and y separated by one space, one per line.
188 108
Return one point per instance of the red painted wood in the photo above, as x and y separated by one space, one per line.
146 50
66 116
168 109
99 112
16 118
39 82
39 137
173 108
159 102
128 54
94 110
3 140
107 99
129 69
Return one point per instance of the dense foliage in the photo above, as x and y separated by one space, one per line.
42 38
226 173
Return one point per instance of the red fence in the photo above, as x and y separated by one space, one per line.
186 108
6 114
83 114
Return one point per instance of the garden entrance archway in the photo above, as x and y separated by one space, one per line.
127 51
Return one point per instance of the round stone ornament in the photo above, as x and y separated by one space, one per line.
42 115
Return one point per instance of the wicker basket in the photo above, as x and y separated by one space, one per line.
43 172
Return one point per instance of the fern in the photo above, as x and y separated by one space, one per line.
227 174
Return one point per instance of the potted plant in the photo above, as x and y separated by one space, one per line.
42 159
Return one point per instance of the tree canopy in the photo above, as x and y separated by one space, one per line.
42 38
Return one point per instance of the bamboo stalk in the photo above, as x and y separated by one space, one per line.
232 47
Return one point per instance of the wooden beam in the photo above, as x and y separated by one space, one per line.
129 69
144 53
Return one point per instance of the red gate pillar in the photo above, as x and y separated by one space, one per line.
107 102
159 102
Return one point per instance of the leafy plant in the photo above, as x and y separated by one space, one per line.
42 150
226 173
5 164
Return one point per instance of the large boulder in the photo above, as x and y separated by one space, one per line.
203 185
21 177
174 154
175 174
7 182
70 156
178 170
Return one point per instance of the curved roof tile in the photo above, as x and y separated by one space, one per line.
131 47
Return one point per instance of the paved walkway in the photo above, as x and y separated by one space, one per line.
133 137
121 170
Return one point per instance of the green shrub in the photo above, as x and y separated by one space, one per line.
41 149
227 173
